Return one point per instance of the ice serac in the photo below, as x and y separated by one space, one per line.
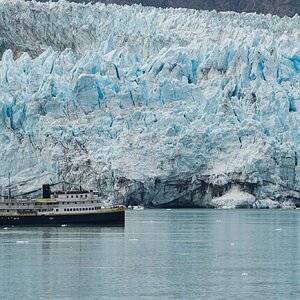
165 107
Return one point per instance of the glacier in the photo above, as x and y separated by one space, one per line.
160 107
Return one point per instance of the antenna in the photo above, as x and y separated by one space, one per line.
9 190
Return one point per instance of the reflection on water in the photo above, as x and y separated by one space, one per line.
160 254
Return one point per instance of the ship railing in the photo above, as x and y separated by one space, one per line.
28 205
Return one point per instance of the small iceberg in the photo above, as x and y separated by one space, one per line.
135 207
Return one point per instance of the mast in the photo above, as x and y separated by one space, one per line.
9 189
58 175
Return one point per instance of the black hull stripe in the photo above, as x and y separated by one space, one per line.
111 218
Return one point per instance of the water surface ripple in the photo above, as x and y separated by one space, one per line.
160 254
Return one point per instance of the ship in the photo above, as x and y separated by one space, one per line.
60 208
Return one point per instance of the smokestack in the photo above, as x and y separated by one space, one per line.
46 191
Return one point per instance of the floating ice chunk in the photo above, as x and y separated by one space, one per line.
138 207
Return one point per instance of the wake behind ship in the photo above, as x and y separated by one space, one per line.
59 208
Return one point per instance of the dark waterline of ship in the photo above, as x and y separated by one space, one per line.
160 254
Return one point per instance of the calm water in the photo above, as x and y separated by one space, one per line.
160 254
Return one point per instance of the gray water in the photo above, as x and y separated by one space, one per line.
160 254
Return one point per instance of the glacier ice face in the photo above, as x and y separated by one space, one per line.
165 107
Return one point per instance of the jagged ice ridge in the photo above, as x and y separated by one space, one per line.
165 107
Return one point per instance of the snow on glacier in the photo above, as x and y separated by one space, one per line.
165 107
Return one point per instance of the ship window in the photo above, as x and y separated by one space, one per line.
72 196
85 195
57 209
76 196
92 201
8 210
80 196
75 202
63 203
67 196
68 202
64 209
